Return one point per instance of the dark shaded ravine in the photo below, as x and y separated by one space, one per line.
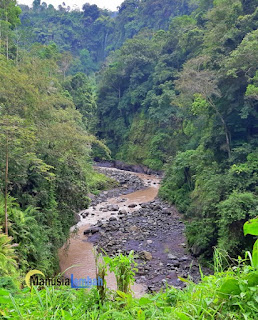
119 221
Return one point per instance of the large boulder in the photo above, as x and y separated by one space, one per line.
113 207
112 219
166 211
91 230
145 255
132 205
122 211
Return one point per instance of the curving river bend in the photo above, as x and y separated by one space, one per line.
78 252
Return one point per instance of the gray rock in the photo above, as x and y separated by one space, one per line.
175 263
91 230
171 256
172 274
122 211
113 207
132 205
196 250
166 211
133 228
146 255
184 258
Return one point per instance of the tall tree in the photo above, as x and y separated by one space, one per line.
9 19
196 79
14 135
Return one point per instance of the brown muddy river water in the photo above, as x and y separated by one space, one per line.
76 256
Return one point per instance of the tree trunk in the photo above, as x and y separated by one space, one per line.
7 40
17 53
224 126
17 47
6 186
0 35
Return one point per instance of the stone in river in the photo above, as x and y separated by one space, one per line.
166 211
132 205
144 205
122 211
113 207
146 255
133 228
175 263
171 256
91 230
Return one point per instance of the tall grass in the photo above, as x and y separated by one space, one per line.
228 294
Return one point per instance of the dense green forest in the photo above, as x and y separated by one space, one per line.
169 84
91 34
45 143
186 100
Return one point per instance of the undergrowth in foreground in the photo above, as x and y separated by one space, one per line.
230 294
226 295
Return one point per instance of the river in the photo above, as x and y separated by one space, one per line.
76 256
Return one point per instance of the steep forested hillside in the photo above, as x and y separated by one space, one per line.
170 84
179 93
186 100
45 146
92 34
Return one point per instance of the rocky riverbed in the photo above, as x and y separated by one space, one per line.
156 234
131 217
127 183
76 256
152 229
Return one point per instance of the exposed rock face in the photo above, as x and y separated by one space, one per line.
77 217
128 167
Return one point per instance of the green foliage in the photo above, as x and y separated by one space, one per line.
81 91
231 294
101 272
203 192
181 177
72 31
9 20
49 153
183 99
199 105
124 268
93 33
251 227
8 263
236 209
